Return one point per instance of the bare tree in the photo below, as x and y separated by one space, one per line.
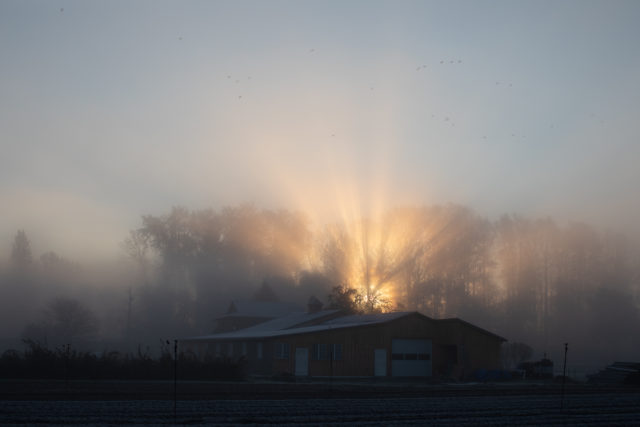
64 321
21 257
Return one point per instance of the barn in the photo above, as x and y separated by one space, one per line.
328 343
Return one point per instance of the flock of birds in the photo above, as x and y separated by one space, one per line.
445 118
419 68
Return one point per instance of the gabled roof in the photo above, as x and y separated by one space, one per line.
290 325
471 325
265 309
368 319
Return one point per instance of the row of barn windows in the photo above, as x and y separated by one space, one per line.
318 352
410 356
227 349
282 350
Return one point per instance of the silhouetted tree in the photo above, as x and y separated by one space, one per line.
137 247
21 257
346 299
64 321
265 293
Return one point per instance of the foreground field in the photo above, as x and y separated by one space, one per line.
294 404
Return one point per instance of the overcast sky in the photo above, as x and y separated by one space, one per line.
114 109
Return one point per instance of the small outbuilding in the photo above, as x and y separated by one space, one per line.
327 343
243 314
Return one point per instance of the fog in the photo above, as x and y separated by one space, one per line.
530 280
471 159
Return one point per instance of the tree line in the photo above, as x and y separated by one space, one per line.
529 280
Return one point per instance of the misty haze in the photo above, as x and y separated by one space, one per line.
172 171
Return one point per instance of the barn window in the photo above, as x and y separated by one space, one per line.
320 352
337 351
259 350
410 356
327 352
282 350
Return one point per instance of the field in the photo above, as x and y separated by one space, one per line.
87 403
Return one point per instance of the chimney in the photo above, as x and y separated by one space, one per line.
314 305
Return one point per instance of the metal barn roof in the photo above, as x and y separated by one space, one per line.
286 325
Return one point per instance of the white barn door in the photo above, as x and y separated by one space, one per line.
302 361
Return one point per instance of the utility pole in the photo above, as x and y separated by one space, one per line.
67 355
332 349
129 305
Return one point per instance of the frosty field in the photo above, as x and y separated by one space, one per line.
293 404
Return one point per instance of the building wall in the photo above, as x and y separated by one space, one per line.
474 349
358 345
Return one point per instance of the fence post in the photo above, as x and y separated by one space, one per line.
175 380
564 374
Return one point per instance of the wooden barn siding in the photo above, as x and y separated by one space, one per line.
476 349
207 349
358 344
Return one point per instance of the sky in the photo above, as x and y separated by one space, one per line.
110 110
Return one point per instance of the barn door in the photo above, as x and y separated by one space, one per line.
411 358
302 361
380 362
